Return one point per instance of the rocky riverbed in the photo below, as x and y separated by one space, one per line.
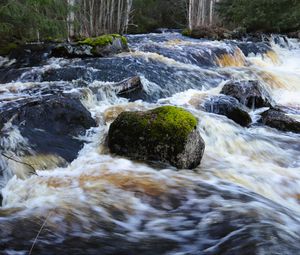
64 190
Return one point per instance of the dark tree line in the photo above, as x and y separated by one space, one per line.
33 20
261 15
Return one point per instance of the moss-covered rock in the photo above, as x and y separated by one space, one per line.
103 40
166 134
101 46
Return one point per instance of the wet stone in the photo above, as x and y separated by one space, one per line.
247 92
166 134
50 124
229 107
277 118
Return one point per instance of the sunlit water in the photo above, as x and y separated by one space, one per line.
244 198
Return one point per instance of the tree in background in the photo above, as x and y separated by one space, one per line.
31 20
202 13
261 15
151 14
96 17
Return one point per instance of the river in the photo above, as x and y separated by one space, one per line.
244 198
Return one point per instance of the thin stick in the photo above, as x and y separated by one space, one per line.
20 162
38 234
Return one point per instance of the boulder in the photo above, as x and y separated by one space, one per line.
50 124
167 134
276 118
72 50
101 46
229 107
130 88
248 93
29 55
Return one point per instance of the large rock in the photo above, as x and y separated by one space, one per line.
229 107
72 50
101 46
50 124
248 93
166 134
276 118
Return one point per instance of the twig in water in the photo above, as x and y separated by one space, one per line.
38 234
20 162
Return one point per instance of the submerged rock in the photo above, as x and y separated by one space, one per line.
166 134
255 48
248 93
50 124
229 107
276 118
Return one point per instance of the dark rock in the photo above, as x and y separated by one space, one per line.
276 118
131 88
229 107
68 50
166 134
29 55
50 124
102 46
66 74
248 93
254 47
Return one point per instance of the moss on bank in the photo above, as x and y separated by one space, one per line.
103 40
7 48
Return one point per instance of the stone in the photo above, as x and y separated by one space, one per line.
50 124
229 107
248 93
276 118
167 134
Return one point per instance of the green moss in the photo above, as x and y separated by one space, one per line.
159 134
172 120
186 32
103 40
6 49
166 124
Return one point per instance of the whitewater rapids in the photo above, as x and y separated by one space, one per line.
244 198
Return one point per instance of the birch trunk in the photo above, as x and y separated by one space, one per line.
202 13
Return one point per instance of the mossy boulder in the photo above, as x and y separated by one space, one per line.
101 46
168 134
106 45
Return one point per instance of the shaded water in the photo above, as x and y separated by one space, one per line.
244 198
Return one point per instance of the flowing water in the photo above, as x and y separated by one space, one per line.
244 198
